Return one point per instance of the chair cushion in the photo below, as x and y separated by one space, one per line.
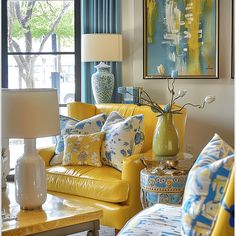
205 187
101 183
159 219
83 149
123 138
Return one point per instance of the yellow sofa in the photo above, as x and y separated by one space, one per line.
115 192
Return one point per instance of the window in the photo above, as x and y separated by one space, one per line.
41 49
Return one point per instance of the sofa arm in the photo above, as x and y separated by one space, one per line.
46 154
131 173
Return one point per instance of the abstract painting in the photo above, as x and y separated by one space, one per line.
182 35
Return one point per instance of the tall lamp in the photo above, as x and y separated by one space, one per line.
102 48
29 114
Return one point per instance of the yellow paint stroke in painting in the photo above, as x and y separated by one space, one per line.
208 39
152 13
192 20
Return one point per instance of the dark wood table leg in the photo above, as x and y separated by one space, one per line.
94 231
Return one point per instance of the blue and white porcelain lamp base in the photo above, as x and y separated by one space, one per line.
102 83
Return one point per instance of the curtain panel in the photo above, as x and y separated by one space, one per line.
99 16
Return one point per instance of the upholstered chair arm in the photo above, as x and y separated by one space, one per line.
131 173
46 154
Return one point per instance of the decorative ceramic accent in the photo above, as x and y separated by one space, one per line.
165 139
102 83
167 187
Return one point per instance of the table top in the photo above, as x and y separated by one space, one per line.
56 212
182 161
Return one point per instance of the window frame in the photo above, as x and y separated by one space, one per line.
76 52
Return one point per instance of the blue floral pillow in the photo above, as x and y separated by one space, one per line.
205 187
71 126
67 124
91 125
122 136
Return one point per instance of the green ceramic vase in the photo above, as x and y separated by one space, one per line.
165 140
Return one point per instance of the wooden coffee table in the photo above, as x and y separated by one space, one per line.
58 216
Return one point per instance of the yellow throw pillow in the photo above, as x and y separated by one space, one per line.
83 149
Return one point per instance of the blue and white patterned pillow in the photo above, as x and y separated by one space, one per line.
66 124
121 138
91 125
71 126
205 187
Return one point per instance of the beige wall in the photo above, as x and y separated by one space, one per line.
202 124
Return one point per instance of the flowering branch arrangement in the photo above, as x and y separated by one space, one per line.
168 108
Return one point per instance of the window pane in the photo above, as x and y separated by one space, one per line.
40 26
16 147
47 71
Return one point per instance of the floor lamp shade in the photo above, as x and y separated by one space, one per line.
103 48
28 114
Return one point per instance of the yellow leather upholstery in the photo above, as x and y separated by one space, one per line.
102 183
116 193
46 154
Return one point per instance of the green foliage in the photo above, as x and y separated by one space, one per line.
65 28
44 15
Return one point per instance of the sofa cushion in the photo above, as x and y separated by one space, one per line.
159 219
83 149
123 138
205 187
72 126
91 125
102 183
66 123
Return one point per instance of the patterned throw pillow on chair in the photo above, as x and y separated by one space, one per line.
205 187
123 138
83 149
91 125
72 126
66 124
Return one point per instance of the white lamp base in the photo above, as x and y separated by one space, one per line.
30 178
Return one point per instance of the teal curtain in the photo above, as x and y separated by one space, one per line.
99 16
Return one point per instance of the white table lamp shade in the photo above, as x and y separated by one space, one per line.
29 113
101 47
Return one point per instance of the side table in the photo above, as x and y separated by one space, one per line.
164 181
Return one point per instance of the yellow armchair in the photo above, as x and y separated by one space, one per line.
115 192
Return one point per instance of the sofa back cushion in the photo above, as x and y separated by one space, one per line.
81 111
205 187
